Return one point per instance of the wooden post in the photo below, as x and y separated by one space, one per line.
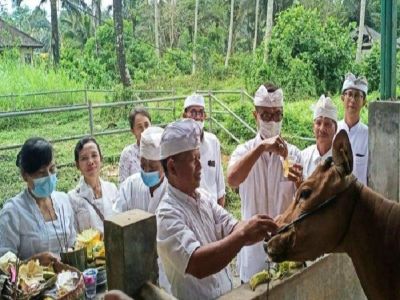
131 251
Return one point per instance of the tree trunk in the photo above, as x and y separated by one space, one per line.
256 27
55 37
268 27
196 14
98 13
172 29
156 27
228 52
119 43
360 31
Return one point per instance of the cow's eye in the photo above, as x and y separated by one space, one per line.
305 194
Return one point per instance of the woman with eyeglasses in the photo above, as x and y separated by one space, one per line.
354 98
39 219
93 198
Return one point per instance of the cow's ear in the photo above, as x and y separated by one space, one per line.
342 153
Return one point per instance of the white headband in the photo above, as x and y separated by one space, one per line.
325 108
150 143
266 99
194 99
352 82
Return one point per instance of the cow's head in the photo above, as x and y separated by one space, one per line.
325 201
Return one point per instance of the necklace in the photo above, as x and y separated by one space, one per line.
63 249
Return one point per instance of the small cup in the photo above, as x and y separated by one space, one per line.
75 258
287 163
90 279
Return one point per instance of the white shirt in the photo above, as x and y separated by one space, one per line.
358 135
183 225
212 175
134 194
24 231
129 162
264 191
310 159
85 215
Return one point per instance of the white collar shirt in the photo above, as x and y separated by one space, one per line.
183 225
310 158
264 191
134 194
25 232
85 215
212 175
358 135
129 162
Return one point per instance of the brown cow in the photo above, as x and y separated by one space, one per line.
333 212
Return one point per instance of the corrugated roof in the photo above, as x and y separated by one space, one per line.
11 36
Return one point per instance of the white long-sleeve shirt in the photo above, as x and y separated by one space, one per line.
24 231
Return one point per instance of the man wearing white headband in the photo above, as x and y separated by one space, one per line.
256 169
144 190
354 97
212 178
324 128
196 237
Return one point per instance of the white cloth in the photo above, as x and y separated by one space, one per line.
134 194
150 143
212 174
85 215
352 82
194 99
266 99
325 108
129 162
24 231
264 191
310 158
358 136
183 225
180 136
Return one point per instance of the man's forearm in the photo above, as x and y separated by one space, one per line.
212 258
239 171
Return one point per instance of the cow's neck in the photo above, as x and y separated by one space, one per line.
373 244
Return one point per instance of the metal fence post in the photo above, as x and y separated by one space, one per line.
241 95
174 109
210 110
86 96
91 125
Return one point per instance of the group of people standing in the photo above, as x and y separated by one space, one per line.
177 174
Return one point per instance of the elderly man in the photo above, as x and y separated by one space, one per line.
145 190
196 237
256 168
354 97
324 128
212 176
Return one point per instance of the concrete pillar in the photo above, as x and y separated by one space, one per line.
384 148
131 251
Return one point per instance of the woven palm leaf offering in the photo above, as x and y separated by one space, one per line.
92 240
29 280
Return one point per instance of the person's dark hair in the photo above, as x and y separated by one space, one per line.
165 167
82 142
270 87
34 154
135 112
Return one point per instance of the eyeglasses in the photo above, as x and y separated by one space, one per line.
196 113
268 117
355 95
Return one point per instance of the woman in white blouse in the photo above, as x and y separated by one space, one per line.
92 199
39 219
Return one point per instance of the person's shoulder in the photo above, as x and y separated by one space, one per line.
293 149
128 149
108 184
363 127
14 202
59 196
210 136
133 179
308 149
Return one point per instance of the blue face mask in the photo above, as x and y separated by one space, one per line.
44 186
150 178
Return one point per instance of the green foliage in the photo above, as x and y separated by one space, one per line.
371 67
307 55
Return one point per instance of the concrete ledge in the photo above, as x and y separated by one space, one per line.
331 277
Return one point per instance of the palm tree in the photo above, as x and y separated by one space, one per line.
360 31
256 26
228 51
119 43
196 16
268 27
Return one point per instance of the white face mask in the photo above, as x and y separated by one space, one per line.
269 129
201 123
